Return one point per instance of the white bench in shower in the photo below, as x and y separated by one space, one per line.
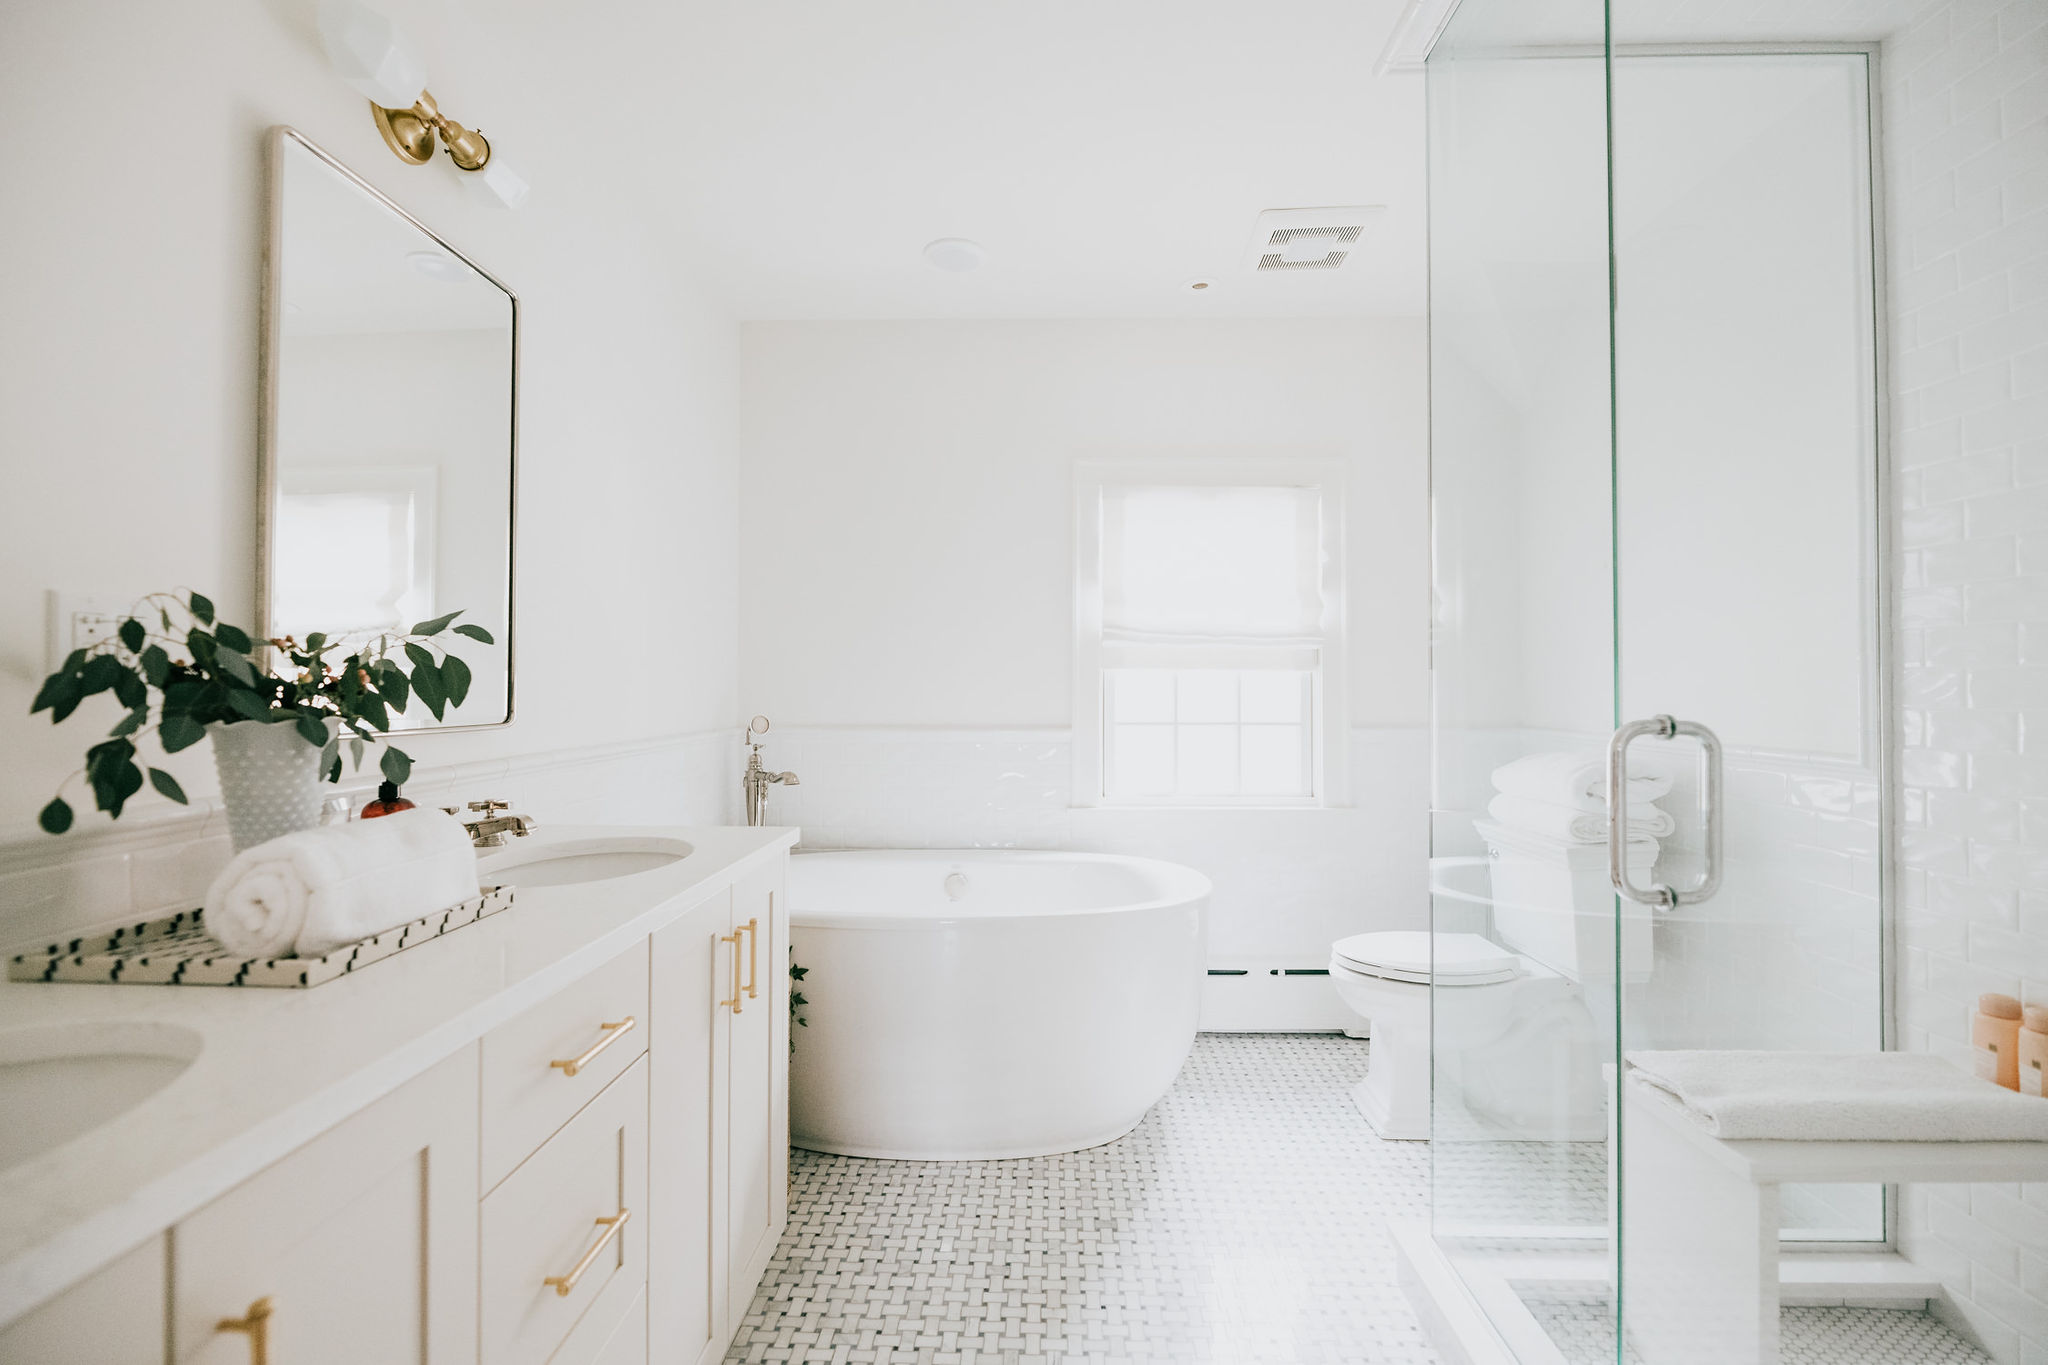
1700 1219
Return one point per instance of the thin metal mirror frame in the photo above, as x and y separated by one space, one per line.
270 352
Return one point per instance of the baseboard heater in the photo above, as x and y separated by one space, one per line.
1274 996
1270 971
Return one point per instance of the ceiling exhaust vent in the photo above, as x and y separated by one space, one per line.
1309 239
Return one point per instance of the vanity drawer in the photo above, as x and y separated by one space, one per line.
599 1340
526 1094
565 1236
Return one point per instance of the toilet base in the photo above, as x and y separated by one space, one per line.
1388 1124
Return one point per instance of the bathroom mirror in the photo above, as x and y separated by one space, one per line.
386 493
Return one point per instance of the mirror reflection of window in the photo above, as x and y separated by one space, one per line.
376 526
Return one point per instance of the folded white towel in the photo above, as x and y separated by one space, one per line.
308 893
1572 779
1573 825
1840 1096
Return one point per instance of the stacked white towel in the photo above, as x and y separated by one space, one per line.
1575 826
1574 778
309 893
1839 1097
1563 796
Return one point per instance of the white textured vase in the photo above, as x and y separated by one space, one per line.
269 779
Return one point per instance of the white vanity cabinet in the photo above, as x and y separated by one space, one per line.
360 1246
597 1178
719 1115
116 1317
758 1088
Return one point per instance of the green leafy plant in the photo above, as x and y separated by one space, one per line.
173 665
796 998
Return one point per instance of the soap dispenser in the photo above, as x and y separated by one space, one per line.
2033 1051
388 802
1995 1034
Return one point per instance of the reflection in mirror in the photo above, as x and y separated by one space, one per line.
388 461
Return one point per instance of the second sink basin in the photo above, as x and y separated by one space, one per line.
574 861
59 1082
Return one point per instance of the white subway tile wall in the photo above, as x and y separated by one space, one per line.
1966 131
1289 881
163 858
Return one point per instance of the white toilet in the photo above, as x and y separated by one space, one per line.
1512 1019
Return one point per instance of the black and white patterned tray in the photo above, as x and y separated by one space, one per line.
176 950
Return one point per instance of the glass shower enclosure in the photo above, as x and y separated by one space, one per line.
1657 498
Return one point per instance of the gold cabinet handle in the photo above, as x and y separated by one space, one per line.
569 1066
565 1285
255 1326
734 940
752 929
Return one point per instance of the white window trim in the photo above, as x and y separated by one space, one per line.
1332 718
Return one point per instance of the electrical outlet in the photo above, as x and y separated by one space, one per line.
79 620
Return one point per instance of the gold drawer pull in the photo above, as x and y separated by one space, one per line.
569 1066
256 1326
737 992
564 1285
752 930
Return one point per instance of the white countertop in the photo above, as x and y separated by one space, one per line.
280 1067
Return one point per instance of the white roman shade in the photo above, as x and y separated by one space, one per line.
1211 577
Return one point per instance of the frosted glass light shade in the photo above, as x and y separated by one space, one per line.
497 183
372 54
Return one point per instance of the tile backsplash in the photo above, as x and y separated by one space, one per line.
163 858
1288 881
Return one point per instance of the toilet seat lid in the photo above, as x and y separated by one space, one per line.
1411 955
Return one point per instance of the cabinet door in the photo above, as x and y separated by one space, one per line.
759 1090
691 977
363 1243
114 1318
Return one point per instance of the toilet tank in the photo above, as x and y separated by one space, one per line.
1553 902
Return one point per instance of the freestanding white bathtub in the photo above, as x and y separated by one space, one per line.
978 1005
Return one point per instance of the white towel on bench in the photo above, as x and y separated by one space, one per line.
1840 1097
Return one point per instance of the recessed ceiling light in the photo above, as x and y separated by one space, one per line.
955 254
436 266
1201 285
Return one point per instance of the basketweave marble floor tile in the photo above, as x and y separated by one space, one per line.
1583 1332
1242 1223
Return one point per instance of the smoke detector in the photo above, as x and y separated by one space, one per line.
1287 240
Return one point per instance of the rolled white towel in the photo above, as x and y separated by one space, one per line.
309 893
1839 1096
1572 779
1574 825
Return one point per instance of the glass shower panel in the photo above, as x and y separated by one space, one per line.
1655 492
1748 593
1523 635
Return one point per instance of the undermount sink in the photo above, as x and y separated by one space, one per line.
574 861
59 1081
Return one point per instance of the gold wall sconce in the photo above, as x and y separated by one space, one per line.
374 56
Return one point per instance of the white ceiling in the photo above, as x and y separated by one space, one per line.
1104 152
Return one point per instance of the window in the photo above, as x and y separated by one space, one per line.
378 524
1206 636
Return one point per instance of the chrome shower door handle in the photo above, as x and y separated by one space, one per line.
1658 894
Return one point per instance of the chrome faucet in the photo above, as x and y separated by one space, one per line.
758 777
490 831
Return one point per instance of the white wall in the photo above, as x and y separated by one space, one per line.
907 594
129 259
1966 93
